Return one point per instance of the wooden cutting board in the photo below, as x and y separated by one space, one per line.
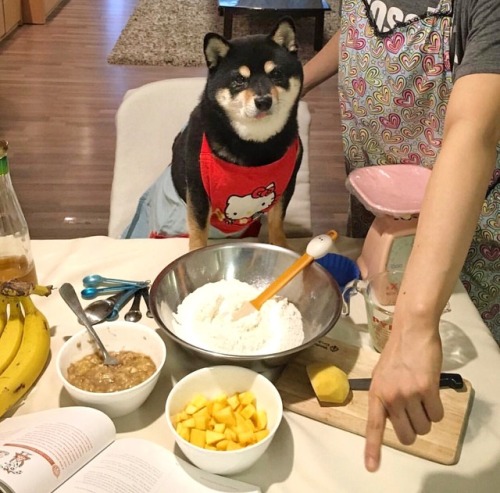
442 444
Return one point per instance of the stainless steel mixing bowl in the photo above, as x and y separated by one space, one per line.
313 291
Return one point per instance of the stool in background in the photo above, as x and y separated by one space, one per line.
304 8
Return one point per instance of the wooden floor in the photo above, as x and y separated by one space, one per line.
58 98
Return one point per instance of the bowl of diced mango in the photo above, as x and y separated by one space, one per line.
224 418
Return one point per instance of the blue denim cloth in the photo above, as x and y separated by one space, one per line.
162 212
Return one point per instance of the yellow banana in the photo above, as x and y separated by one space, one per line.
3 313
29 361
11 336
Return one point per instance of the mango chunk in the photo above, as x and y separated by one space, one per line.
197 437
233 401
222 444
246 398
246 438
248 411
225 416
199 400
260 419
200 422
219 427
230 434
261 434
212 437
330 383
221 398
183 431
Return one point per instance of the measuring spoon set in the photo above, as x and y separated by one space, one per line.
121 290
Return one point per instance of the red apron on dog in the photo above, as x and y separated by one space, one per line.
240 195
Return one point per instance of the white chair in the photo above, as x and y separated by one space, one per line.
147 122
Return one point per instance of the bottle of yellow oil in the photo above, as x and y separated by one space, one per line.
16 260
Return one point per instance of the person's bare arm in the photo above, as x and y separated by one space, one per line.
323 65
405 386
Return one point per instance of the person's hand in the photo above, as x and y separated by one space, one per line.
404 389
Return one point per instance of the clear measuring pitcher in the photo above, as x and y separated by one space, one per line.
380 293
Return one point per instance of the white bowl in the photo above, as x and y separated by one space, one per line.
116 336
213 381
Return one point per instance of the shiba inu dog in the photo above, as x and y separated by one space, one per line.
238 156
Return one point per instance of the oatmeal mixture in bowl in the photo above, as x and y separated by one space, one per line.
91 374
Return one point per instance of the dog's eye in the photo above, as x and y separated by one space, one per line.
276 74
239 80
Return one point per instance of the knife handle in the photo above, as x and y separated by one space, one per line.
452 380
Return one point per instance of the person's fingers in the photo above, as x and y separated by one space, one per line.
401 423
434 407
417 415
375 427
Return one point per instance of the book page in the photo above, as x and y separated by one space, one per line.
38 452
133 465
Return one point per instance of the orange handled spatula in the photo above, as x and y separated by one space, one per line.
316 248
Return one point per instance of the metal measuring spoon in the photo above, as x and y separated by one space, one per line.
107 309
68 294
134 314
91 293
95 280
145 295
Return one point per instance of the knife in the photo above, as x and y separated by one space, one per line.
450 380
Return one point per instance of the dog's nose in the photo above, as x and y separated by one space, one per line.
263 103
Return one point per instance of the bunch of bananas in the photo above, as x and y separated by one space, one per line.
24 340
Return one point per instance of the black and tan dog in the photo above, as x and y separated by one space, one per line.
238 156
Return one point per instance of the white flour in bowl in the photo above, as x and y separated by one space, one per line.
205 319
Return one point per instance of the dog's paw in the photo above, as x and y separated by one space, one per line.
195 245
281 242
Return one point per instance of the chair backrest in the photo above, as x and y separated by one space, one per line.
147 122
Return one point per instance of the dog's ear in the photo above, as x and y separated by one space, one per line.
284 34
215 48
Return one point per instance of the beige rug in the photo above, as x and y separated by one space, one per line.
170 32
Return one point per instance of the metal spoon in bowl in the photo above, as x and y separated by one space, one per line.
69 295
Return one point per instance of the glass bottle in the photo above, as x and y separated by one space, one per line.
16 260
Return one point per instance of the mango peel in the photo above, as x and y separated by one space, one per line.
330 383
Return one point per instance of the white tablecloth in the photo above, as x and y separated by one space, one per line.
306 456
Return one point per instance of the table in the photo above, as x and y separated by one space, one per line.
303 8
306 456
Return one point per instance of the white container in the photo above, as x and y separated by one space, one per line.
213 381
116 336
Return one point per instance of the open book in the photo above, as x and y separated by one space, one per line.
73 449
